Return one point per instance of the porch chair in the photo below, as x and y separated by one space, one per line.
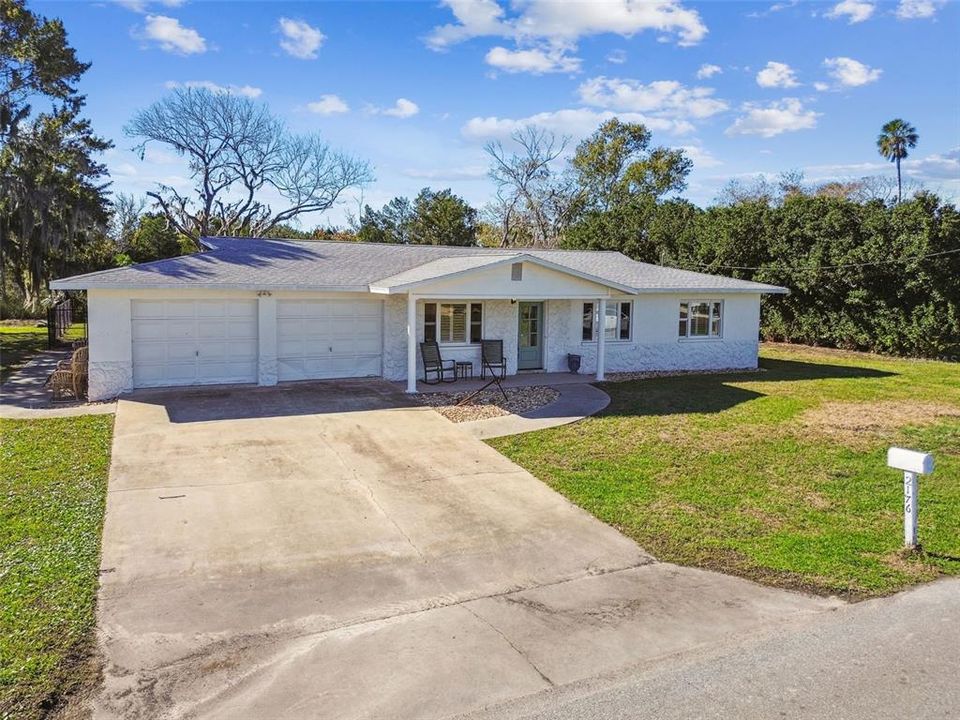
491 358
434 363
69 380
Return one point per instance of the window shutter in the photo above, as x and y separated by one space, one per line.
587 334
476 322
430 322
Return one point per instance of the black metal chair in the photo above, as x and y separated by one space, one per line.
433 363
491 358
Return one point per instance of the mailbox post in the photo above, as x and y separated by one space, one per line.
912 463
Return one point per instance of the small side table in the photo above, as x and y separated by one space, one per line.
464 368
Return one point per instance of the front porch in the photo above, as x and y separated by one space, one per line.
537 334
522 379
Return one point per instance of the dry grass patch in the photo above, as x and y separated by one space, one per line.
489 403
859 424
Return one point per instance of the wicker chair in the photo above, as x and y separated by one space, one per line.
69 380
433 363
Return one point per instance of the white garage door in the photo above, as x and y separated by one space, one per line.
319 339
194 342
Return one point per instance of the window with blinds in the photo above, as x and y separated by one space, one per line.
453 323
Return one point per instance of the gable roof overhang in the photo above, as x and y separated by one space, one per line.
452 268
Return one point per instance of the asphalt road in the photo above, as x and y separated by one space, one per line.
895 657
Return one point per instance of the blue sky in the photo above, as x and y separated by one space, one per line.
417 88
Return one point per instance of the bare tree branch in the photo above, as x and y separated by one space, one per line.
529 192
237 152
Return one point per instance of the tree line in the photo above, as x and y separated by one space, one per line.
867 269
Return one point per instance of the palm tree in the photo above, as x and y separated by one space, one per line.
892 142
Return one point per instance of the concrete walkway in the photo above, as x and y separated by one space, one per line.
24 396
328 550
576 402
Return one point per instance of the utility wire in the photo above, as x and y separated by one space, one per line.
834 267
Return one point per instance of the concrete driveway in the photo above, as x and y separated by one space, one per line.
326 550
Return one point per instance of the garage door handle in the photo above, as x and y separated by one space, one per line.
331 349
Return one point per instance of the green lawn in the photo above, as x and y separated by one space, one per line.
779 476
19 343
53 479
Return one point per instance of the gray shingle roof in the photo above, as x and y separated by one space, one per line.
259 264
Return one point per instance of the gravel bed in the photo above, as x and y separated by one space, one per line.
489 403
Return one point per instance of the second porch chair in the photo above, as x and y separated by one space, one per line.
434 363
491 358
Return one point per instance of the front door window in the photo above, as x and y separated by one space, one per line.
530 337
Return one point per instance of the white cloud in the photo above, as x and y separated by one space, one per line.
851 73
171 36
918 9
471 172
821 86
617 57
243 90
328 105
300 39
701 158
576 122
567 22
667 98
855 11
787 115
931 168
707 71
534 61
140 6
777 74
402 108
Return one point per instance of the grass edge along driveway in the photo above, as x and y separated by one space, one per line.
54 480
778 476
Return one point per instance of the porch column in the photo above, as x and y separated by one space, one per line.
411 343
601 337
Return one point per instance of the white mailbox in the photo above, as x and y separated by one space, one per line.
912 463
910 460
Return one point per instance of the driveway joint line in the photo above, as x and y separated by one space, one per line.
279 637
509 642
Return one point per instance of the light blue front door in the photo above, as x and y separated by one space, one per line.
530 340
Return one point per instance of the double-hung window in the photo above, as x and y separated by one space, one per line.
453 323
701 319
617 324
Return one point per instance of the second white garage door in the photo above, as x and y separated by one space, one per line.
319 339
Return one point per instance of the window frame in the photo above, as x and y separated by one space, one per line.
714 304
595 320
473 328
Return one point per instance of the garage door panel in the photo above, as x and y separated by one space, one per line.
178 352
319 347
329 339
211 309
185 342
149 330
179 309
211 329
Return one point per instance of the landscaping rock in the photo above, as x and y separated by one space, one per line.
489 403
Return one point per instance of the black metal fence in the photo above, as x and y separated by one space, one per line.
59 320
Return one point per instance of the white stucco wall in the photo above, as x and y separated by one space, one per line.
655 344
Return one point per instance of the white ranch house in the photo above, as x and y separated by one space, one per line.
266 311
